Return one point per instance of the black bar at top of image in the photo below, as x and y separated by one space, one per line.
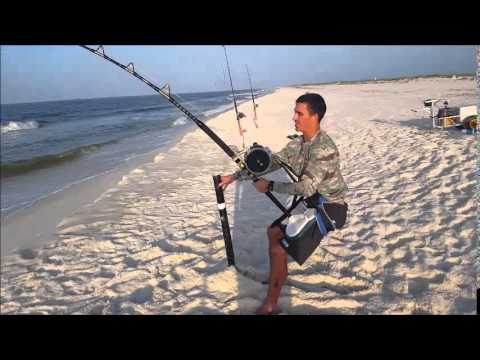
312 24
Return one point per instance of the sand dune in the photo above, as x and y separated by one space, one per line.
153 243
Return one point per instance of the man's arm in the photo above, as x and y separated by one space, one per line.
322 162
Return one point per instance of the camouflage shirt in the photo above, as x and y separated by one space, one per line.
318 161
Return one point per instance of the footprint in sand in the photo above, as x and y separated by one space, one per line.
142 295
28 254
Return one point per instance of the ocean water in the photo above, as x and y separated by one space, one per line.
49 147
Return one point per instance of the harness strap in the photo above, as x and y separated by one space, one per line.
278 221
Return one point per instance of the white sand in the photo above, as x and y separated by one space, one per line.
153 243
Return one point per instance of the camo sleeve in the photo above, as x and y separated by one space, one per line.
285 155
322 166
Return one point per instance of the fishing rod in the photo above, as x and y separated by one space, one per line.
165 92
239 115
253 99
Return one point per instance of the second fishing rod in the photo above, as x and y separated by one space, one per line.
256 160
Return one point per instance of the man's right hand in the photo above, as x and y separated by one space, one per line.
225 180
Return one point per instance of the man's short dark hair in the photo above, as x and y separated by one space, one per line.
315 103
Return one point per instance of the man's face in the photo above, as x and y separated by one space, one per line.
302 117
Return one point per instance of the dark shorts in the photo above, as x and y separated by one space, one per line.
302 248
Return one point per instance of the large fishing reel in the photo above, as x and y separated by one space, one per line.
258 159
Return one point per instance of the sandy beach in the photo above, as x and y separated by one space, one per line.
152 244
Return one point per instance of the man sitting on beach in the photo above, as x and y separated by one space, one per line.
315 157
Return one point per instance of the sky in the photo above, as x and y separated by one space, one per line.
45 73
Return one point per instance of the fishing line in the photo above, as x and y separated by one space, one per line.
239 115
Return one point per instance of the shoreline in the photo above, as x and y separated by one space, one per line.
66 201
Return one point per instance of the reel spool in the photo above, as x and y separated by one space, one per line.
258 159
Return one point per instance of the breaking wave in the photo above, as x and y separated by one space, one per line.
41 162
180 121
19 125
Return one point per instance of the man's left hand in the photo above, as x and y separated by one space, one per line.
261 185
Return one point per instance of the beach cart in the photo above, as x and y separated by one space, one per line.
451 116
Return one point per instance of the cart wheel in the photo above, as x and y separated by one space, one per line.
470 122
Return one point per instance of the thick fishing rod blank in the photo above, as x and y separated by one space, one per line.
253 99
165 92
224 219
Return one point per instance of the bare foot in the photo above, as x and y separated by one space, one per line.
267 309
